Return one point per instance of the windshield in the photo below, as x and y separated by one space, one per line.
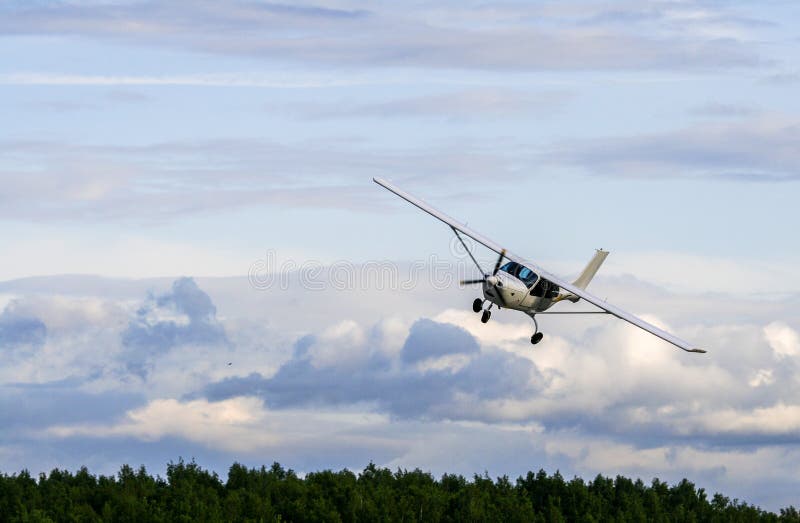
520 271
527 275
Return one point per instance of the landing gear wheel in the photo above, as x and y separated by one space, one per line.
485 316
536 338
477 305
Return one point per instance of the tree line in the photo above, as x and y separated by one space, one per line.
190 493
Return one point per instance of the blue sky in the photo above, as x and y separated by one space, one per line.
146 141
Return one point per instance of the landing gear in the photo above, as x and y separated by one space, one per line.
537 336
477 306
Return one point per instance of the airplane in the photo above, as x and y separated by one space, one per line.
522 285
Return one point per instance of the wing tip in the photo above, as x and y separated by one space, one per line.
699 351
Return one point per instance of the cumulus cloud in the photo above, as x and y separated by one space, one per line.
394 384
33 406
20 329
429 339
453 367
239 425
783 340
596 396
183 316
192 420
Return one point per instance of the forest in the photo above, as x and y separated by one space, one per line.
191 493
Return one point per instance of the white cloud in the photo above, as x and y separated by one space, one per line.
783 340
240 424
762 378
341 344
727 466
231 424
778 419
708 273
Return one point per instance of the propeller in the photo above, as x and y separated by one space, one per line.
487 276
499 261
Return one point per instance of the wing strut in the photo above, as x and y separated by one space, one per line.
467 249
572 312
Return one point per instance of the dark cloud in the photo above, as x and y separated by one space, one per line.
403 390
185 315
44 404
18 329
429 339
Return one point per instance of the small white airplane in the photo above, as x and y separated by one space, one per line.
522 285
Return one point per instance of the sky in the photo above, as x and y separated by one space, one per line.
196 263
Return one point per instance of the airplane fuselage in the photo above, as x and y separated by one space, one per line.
510 292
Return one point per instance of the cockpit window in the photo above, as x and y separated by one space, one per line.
527 276
510 267
523 273
545 289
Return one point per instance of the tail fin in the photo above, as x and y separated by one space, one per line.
591 269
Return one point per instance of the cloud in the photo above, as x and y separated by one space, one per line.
484 102
756 149
397 386
196 420
504 37
455 368
48 181
429 339
237 425
783 339
27 407
20 329
784 78
183 316
597 396
714 109
287 80
45 181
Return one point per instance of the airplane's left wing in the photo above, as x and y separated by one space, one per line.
581 293
453 223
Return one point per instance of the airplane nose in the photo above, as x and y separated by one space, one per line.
492 280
